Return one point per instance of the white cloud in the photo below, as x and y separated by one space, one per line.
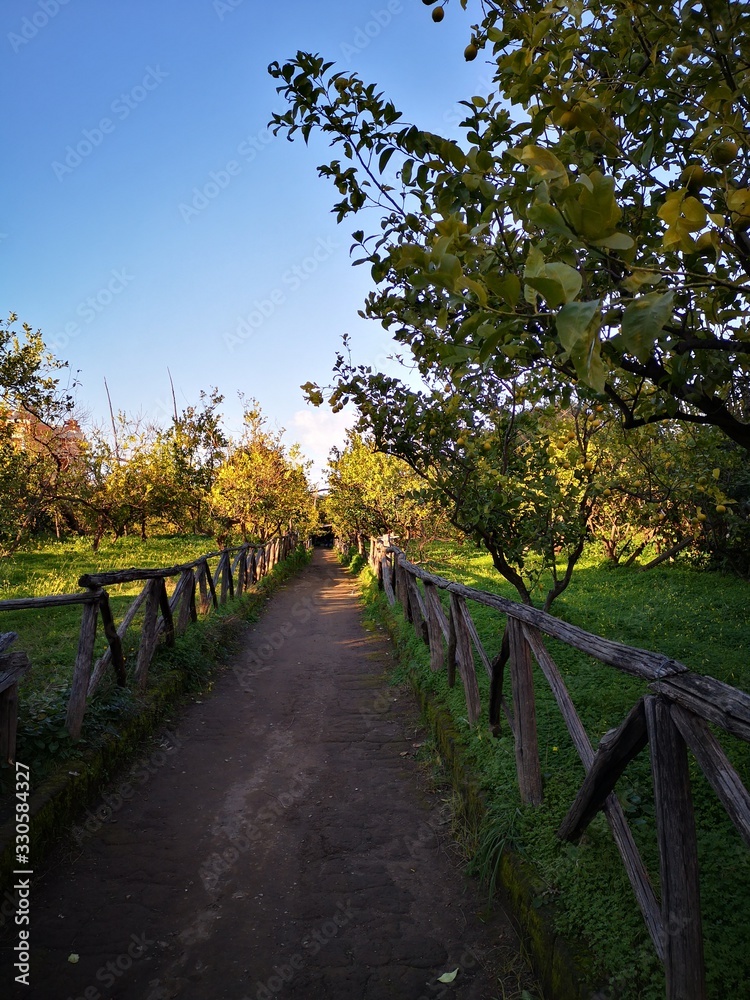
317 431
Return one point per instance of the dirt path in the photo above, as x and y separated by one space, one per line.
279 842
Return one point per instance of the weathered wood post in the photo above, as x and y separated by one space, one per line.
678 855
113 638
185 594
524 713
82 670
166 612
149 631
13 666
462 655
434 632
241 572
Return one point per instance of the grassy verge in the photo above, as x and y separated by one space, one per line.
50 639
66 775
696 617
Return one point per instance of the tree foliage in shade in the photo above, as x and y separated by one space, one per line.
592 227
37 443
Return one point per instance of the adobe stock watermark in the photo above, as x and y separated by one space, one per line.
113 801
121 108
32 25
219 180
291 281
365 34
258 660
312 943
221 862
224 7
108 974
92 306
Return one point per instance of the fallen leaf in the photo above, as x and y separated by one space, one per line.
448 977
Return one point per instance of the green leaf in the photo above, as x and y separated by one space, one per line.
544 165
449 271
617 241
568 278
508 287
559 283
448 977
549 219
643 321
573 322
578 326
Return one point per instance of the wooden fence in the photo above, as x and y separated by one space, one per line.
673 717
197 589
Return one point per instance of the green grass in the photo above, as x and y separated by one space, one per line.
50 639
697 617
50 636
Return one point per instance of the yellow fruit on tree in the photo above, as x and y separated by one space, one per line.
486 446
438 14
720 508
693 176
700 516
589 466
569 120
724 153
471 52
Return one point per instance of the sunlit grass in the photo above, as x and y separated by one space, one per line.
697 617
50 636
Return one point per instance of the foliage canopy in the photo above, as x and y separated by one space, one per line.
593 226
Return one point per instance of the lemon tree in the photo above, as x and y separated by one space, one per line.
592 226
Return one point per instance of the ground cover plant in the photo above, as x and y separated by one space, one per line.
696 617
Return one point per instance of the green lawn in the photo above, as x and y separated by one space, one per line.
697 617
50 636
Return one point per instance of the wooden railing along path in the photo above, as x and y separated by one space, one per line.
162 613
673 717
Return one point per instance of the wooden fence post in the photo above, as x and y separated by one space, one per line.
166 612
418 614
203 588
211 584
434 632
149 630
82 669
186 587
524 713
13 666
113 638
241 572
462 655
678 855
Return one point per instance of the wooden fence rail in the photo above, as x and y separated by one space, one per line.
162 614
672 718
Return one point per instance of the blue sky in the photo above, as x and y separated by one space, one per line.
151 221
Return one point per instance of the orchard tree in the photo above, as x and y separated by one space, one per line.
261 489
37 451
491 468
197 445
592 228
371 493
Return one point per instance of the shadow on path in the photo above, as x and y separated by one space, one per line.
280 842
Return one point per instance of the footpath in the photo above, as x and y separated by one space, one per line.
280 840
